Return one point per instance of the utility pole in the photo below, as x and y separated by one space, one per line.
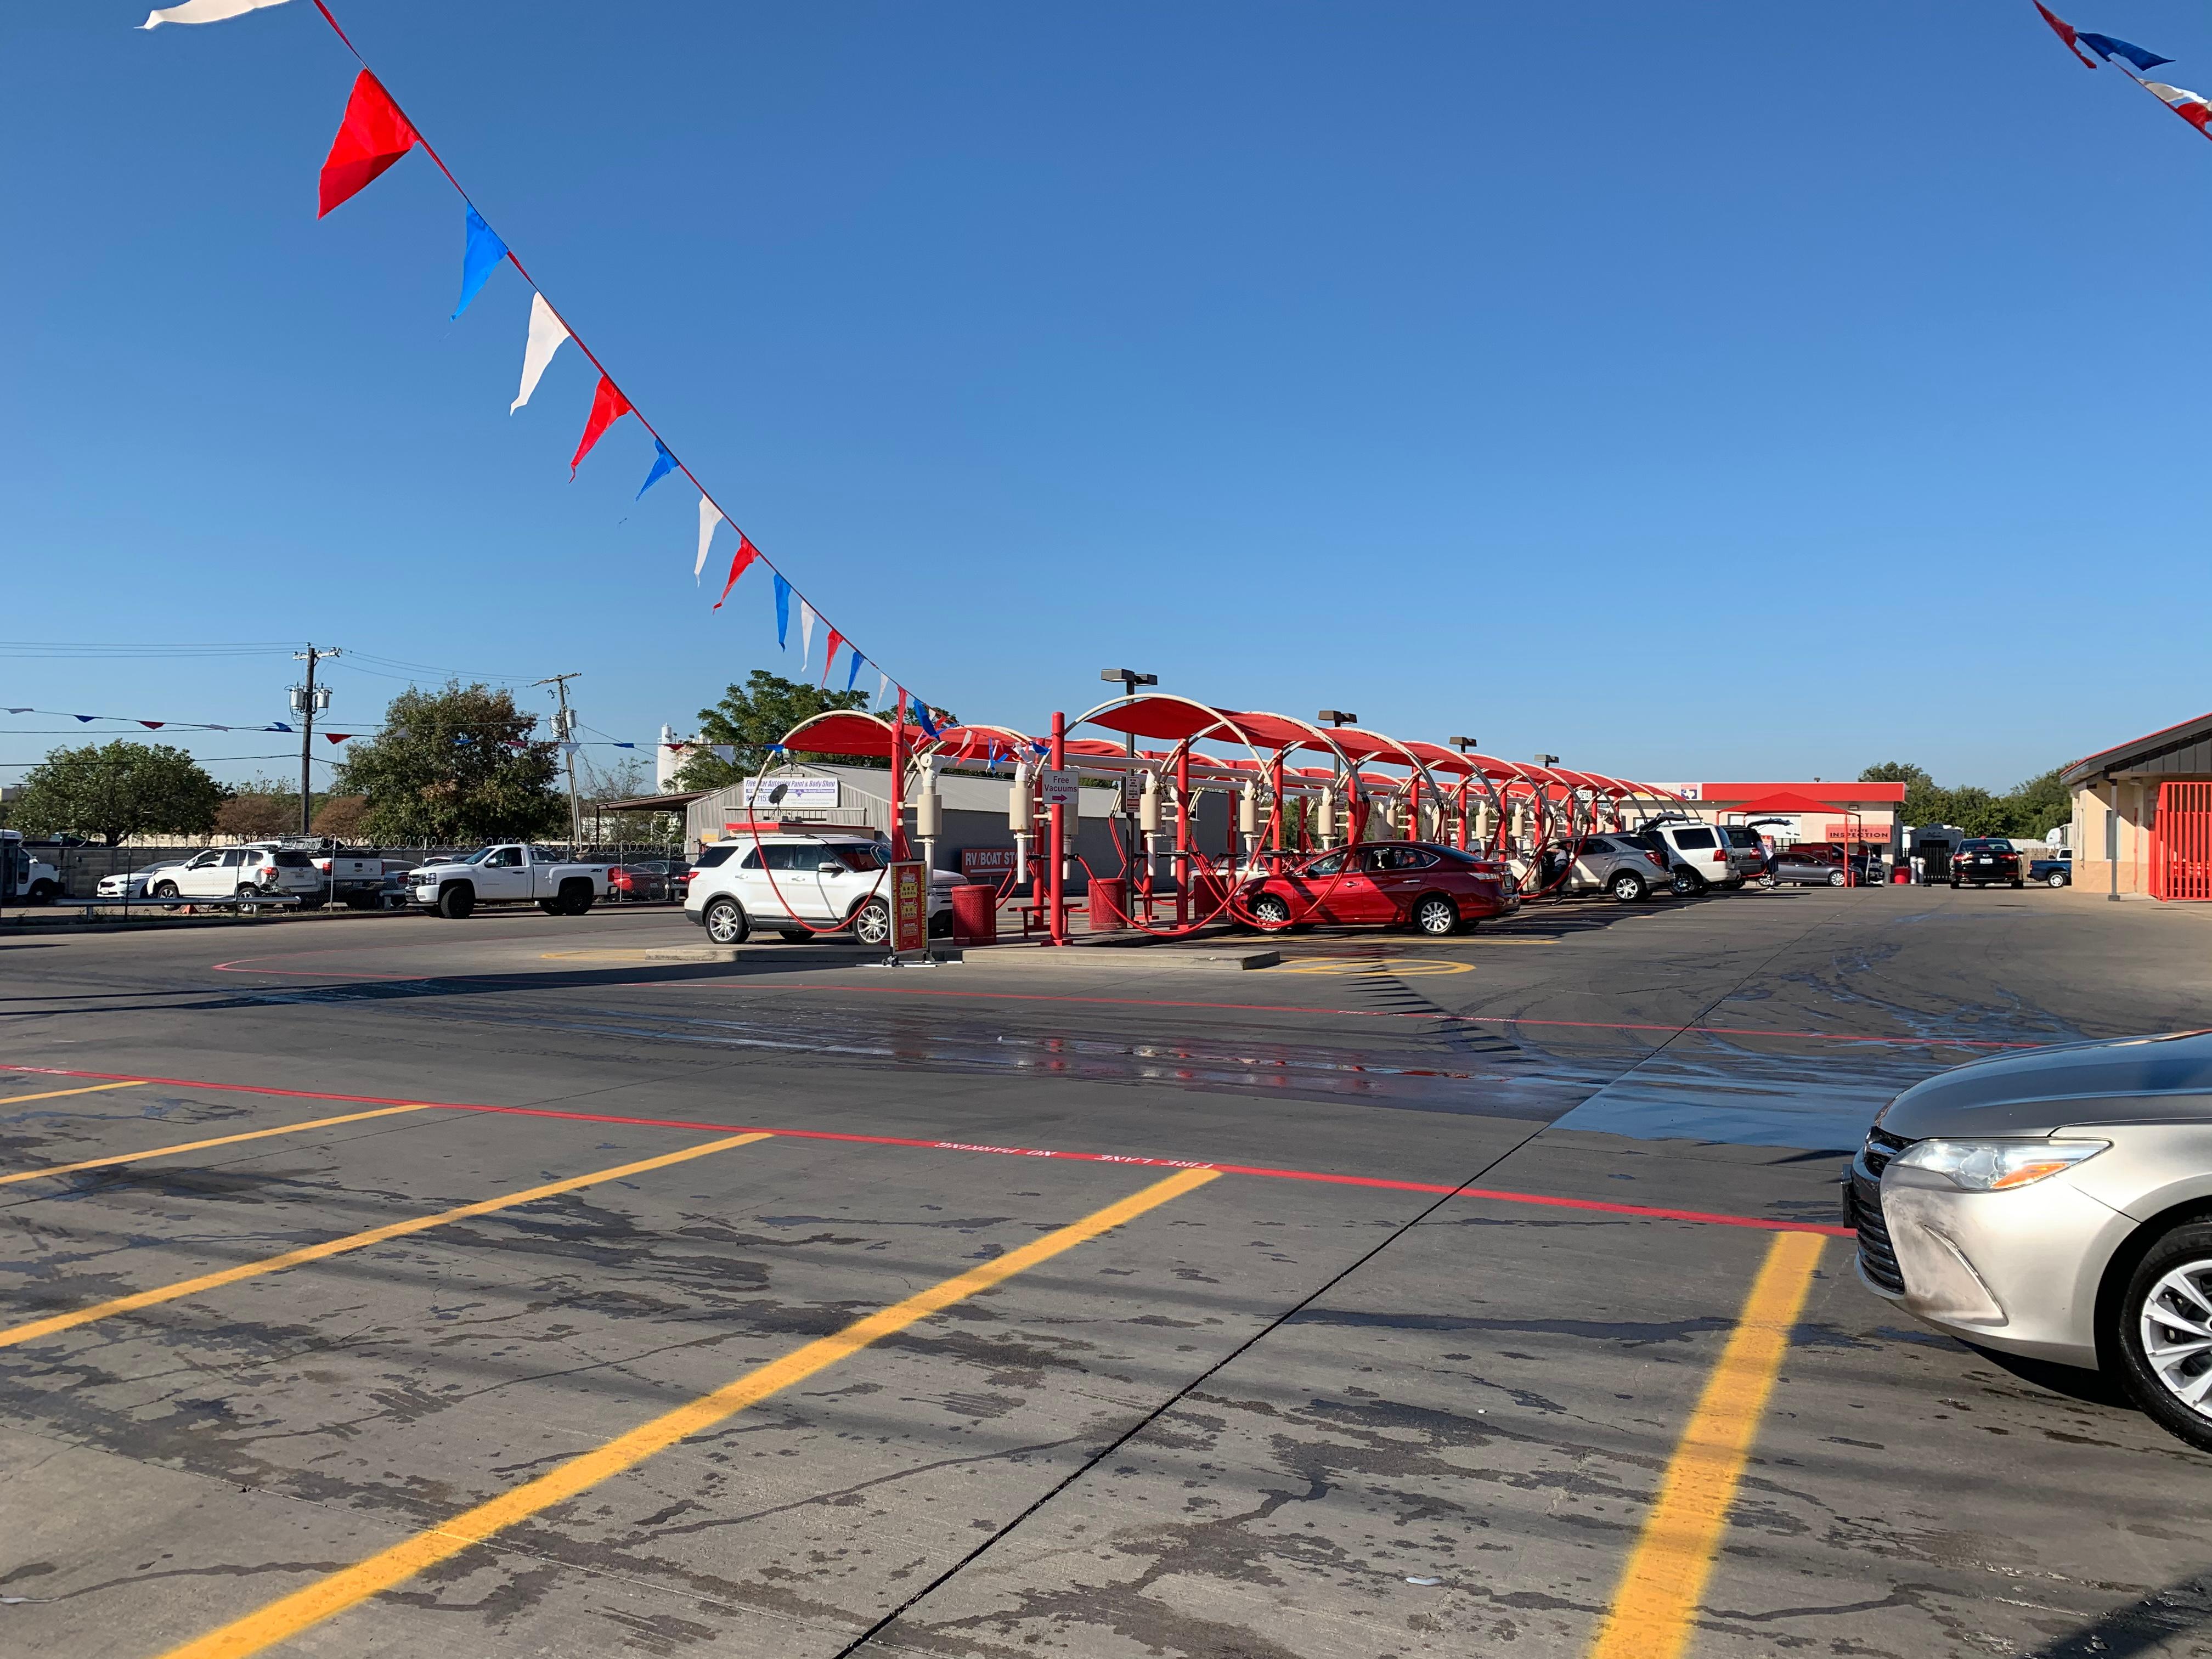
306 700
564 728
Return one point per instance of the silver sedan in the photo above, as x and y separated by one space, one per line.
2055 1204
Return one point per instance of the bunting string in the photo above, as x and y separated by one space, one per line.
374 135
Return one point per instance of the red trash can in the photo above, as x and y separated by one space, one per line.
1108 911
975 913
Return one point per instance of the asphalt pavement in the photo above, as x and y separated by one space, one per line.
501 1287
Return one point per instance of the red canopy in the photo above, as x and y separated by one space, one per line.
1783 801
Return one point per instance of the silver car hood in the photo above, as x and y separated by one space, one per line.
2165 1079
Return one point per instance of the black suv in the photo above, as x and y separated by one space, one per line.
1981 859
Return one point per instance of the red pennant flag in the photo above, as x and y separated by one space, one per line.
337 737
2064 31
153 726
746 554
373 135
608 406
830 655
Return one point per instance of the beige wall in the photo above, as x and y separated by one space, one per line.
2135 802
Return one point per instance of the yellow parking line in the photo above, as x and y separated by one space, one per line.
198 1146
56 1094
349 1586
184 1287
1665 1580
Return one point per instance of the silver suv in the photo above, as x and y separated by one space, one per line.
2057 1205
1625 864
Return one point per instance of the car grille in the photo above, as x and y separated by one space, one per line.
1881 1147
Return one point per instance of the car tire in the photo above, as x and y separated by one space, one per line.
456 900
872 923
725 922
1684 885
1435 917
1836 879
42 892
793 935
163 890
1954 884
1270 913
550 907
940 924
575 897
2055 879
2176 1274
1627 887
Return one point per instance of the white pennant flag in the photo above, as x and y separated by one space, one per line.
806 633
204 11
883 685
546 334
709 518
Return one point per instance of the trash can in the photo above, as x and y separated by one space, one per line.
1108 911
975 913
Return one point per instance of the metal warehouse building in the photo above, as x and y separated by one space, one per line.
2142 815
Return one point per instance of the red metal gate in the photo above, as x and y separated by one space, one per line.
2181 843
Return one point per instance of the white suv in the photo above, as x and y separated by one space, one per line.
1703 855
238 871
784 882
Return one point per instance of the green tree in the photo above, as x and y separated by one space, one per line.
2038 805
1923 802
750 717
453 767
116 790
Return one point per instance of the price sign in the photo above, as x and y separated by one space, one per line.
909 906
1058 787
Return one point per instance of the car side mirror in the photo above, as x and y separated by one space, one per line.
829 867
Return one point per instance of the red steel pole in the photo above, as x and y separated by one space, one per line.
1056 875
898 780
1275 813
1183 837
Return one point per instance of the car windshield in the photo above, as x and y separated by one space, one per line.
479 856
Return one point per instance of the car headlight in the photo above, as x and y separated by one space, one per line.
1996 1166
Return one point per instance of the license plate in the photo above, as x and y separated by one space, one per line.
1981 860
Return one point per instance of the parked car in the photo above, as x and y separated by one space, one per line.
1981 859
133 883
353 879
796 885
2056 872
1436 888
395 892
2054 1205
1703 855
266 871
1821 864
680 872
513 873
646 880
1629 866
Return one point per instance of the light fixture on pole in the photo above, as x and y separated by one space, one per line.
1130 679
1336 717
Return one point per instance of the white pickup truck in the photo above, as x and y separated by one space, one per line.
31 881
513 873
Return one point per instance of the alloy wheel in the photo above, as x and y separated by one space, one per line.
2176 1326
874 924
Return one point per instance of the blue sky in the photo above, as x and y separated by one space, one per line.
1733 392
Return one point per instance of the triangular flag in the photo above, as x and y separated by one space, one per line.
337 737
88 718
746 554
883 685
805 635
153 726
22 711
273 726
625 745
854 672
921 713
608 406
829 656
2064 31
371 137
546 333
204 11
782 613
663 465
2191 106
480 256
709 516
2106 48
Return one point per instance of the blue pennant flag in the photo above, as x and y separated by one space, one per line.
88 718
854 672
782 613
273 726
663 465
625 745
921 713
2105 47
478 260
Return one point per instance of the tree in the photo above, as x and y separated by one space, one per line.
116 790
750 718
341 816
453 767
257 815
2039 804
625 779
1923 802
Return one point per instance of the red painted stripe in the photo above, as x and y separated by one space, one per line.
1323 1177
1360 1013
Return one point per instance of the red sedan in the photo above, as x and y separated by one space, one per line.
647 882
1439 890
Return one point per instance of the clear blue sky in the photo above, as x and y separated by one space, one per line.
1735 390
